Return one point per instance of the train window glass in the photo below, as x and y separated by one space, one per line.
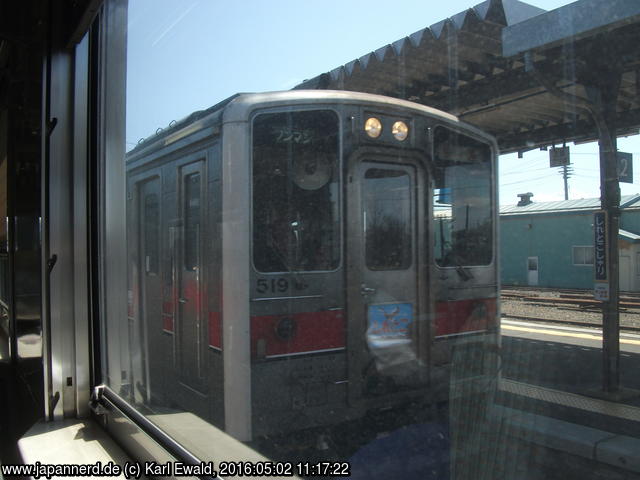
151 232
276 317
387 219
300 363
463 226
191 221
296 214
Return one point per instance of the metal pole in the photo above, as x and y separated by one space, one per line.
602 83
565 176
610 316
604 97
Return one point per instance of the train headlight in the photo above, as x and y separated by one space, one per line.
400 130
286 328
373 127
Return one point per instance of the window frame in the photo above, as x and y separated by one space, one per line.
340 162
494 208
574 249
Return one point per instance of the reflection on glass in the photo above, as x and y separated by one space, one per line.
330 345
463 227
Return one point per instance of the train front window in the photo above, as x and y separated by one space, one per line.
463 227
296 220
387 210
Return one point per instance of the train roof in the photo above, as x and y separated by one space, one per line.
563 206
176 126
238 108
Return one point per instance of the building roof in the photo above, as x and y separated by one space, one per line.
628 236
479 65
583 204
474 22
575 20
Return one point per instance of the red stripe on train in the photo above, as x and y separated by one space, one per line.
465 316
215 330
313 331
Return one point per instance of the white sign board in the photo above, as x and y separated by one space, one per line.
601 291
559 157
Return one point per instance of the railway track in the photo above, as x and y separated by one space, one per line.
579 299
633 301
573 323
563 291
570 307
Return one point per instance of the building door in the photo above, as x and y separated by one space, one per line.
626 280
388 336
532 271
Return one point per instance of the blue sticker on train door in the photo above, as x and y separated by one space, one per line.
390 320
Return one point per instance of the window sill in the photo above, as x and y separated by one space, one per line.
70 442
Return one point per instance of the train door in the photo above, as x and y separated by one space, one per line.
388 335
149 373
190 329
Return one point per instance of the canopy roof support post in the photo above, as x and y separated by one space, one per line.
602 84
603 94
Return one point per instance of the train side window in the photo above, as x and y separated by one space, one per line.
191 220
151 232
387 210
463 226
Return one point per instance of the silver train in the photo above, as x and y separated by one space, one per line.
301 258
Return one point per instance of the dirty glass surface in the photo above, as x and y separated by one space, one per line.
342 284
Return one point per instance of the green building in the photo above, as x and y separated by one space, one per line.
550 244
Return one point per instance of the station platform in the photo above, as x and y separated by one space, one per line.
573 426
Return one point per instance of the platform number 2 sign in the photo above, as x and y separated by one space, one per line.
625 167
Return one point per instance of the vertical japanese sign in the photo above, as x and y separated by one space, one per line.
600 261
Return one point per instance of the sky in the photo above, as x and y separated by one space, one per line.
187 55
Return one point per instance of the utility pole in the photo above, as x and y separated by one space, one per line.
566 174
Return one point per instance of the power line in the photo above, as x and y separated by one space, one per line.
529 180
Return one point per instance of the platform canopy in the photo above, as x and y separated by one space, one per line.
479 66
